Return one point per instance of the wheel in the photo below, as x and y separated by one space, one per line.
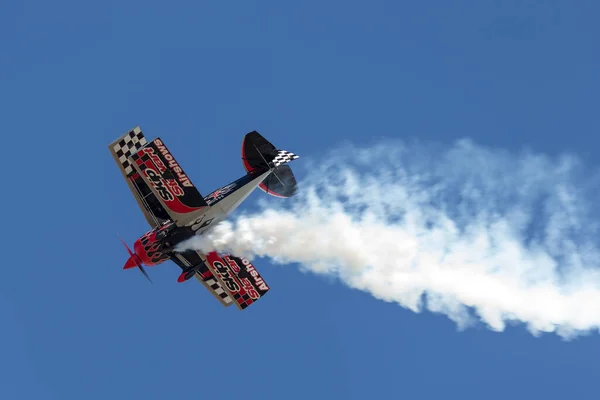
190 274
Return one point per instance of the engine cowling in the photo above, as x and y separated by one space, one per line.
150 250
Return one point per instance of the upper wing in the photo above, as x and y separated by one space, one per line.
170 185
122 149
192 259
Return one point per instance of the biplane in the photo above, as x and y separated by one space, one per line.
176 211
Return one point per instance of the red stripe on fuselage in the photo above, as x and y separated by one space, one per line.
246 163
272 193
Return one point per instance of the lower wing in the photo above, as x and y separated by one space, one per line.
231 279
238 277
194 259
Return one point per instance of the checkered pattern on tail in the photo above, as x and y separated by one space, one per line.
283 157
129 144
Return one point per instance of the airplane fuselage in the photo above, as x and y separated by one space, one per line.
157 245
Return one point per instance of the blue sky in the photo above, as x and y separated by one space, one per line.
309 76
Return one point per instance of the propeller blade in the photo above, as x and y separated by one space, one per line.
133 257
127 247
144 272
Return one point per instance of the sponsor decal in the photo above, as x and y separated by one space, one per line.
250 289
155 159
171 184
219 193
233 264
225 276
168 189
175 188
258 280
173 165
246 284
158 184
233 273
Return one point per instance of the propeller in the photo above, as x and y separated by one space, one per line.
134 261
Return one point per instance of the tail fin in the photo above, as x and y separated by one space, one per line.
259 154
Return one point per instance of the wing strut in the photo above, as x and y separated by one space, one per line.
146 205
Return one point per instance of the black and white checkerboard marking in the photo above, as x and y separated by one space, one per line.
129 144
210 283
218 290
283 157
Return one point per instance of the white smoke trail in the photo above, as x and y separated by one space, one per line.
460 232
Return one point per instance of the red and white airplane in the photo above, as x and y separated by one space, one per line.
176 211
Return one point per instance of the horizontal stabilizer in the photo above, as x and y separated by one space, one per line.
258 154
280 183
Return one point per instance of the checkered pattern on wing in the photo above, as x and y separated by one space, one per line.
219 291
135 157
244 300
130 143
283 157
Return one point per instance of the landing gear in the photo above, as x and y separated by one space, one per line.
190 274
163 235
166 247
186 275
165 230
